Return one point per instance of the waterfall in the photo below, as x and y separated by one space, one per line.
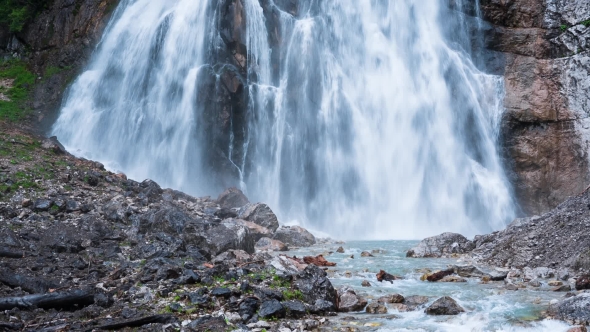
364 119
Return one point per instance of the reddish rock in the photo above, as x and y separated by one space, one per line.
384 276
583 282
319 260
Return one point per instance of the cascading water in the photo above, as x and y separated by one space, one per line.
368 120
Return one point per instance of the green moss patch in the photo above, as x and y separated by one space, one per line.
21 82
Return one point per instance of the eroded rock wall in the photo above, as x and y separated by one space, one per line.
546 131
56 44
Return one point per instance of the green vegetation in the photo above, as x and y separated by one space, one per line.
586 23
293 295
563 27
17 91
16 13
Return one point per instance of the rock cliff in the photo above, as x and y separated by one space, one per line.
56 44
543 45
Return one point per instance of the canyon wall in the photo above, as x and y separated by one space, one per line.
544 47
56 45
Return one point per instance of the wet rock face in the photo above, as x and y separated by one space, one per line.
545 54
444 306
442 245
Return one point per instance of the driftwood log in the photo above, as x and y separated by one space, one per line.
11 254
46 301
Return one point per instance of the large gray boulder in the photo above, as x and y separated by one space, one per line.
232 198
295 236
260 214
349 301
443 245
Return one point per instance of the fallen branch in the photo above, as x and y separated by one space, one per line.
10 326
11 254
28 284
161 319
46 301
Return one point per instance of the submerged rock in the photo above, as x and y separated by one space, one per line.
444 306
376 308
443 245
384 276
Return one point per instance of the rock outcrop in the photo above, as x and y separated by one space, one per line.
56 44
442 245
545 54
557 239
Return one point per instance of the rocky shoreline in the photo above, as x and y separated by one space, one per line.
549 250
85 249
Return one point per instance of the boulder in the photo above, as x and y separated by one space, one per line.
259 214
314 284
349 301
248 307
583 282
52 144
232 257
415 301
376 308
366 254
295 236
295 308
340 250
444 306
436 276
42 204
224 237
453 279
268 244
232 198
384 276
287 265
393 298
443 245
256 231
366 283
319 260
272 309
470 271
573 310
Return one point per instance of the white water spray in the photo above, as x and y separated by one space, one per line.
378 126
